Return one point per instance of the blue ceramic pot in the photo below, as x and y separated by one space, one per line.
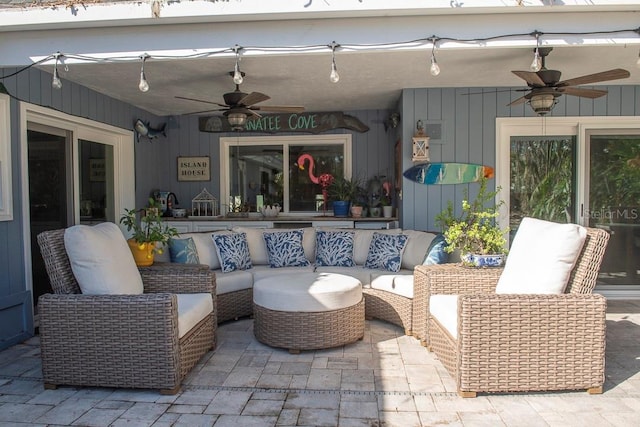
341 208
478 260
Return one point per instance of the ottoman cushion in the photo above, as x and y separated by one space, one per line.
307 292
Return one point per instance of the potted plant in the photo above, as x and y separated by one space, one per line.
474 232
148 231
342 192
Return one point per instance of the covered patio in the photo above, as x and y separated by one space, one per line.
387 379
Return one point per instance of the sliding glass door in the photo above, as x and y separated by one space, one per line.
614 201
578 170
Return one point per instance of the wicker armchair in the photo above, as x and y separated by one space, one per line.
517 342
120 340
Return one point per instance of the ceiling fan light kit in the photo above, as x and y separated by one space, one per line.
542 104
544 86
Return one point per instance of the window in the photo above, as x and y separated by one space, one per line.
256 171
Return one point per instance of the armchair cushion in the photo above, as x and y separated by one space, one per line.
192 308
444 308
101 260
541 258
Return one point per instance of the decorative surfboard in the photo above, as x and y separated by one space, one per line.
447 173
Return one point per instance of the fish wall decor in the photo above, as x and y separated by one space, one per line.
145 130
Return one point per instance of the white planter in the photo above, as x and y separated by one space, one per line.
387 211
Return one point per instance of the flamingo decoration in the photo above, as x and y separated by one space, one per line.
325 179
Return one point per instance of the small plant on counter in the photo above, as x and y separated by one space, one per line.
149 228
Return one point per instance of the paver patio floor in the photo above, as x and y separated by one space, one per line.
387 379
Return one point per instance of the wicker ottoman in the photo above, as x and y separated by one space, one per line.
308 311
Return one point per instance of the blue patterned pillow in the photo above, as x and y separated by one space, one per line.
183 251
233 251
334 248
385 251
436 253
285 249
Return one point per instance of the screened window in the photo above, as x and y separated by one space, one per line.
257 171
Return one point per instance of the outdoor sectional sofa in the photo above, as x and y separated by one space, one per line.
388 294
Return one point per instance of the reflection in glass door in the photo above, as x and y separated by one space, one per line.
50 192
96 182
614 202
542 179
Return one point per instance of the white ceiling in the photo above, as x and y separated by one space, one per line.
368 80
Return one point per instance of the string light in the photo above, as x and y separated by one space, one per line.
237 74
334 76
434 69
638 61
536 64
144 84
56 83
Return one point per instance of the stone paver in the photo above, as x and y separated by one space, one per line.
387 379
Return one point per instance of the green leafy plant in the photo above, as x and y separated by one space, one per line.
344 189
474 230
149 227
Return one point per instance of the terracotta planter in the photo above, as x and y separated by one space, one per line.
356 211
142 252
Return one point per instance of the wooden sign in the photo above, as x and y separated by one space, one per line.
296 122
194 168
97 171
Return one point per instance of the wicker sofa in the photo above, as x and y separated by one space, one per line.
516 342
388 295
130 341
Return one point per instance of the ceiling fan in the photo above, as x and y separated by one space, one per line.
545 85
238 105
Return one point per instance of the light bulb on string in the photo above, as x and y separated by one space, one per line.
434 69
638 61
237 74
144 84
56 83
334 77
536 64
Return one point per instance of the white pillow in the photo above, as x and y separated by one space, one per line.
101 260
541 257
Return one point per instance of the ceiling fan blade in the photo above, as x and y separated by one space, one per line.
533 79
253 98
201 100
520 100
207 111
280 108
604 76
585 93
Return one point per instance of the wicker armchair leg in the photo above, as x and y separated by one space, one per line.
595 390
467 394
170 391
49 386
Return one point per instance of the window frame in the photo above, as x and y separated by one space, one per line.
6 186
226 143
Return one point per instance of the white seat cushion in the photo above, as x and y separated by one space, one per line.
541 257
192 308
101 260
444 308
233 281
399 284
360 273
307 292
